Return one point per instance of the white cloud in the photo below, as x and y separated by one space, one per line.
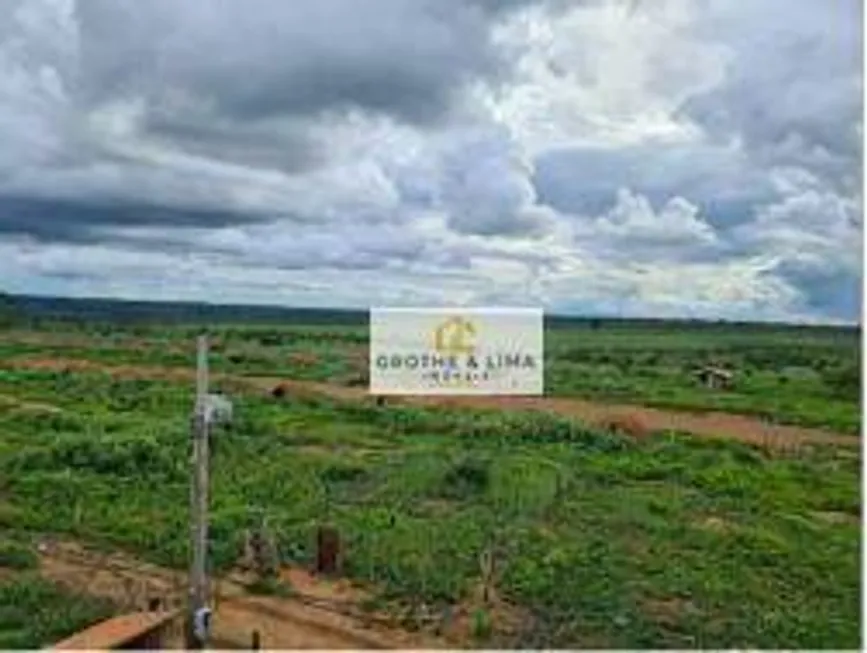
633 219
625 162
601 75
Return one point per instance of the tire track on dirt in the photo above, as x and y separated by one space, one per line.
283 623
11 402
716 425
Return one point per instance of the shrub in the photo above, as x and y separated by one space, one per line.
844 382
14 555
631 425
130 458
470 476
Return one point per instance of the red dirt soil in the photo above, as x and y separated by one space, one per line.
305 622
640 419
631 425
303 358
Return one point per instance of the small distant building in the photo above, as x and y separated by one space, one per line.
714 378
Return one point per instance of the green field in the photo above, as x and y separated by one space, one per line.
34 612
794 375
600 540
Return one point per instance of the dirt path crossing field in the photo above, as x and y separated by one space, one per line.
710 424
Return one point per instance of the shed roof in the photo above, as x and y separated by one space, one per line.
716 371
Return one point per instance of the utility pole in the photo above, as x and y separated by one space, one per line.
199 622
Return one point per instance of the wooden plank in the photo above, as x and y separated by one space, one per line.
118 631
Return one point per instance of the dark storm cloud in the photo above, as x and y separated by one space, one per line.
54 220
803 86
235 82
267 246
262 58
834 293
236 142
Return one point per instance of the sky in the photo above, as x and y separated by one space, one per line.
665 158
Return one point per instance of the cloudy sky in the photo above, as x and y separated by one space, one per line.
695 158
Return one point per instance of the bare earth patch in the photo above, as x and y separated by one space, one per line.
506 619
717 525
669 611
303 359
837 517
318 613
631 425
28 406
306 621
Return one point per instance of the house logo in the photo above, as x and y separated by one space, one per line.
455 336
454 343
463 351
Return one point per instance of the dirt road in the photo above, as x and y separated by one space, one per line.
710 425
307 621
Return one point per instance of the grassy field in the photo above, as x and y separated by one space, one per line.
34 612
600 540
789 375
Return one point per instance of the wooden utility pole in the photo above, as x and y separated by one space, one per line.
198 622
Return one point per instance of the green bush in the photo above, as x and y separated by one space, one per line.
14 555
128 458
468 477
35 613
844 382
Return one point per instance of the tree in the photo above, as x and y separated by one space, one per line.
844 381
8 309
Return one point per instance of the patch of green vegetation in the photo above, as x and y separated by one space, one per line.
664 542
17 556
481 625
271 587
35 614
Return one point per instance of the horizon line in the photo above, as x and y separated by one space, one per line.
548 314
